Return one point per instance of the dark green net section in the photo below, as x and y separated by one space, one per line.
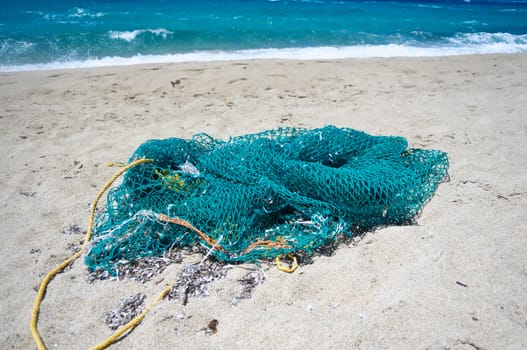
262 195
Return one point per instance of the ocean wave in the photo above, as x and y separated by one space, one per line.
31 12
463 44
80 13
474 22
490 41
431 6
72 16
513 10
132 35
14 47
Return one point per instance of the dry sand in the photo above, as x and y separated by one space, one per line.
457 280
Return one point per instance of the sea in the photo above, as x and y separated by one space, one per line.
42 35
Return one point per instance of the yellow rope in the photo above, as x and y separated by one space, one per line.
42 289
116 164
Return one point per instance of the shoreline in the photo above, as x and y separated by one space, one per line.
388 51
455 279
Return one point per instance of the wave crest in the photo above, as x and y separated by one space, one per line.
79 12
10 47
489 39
130 36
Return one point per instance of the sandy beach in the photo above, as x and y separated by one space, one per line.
456 280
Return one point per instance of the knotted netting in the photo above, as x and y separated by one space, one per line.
262 195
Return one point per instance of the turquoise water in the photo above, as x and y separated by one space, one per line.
61 33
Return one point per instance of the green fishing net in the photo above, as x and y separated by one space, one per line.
262 195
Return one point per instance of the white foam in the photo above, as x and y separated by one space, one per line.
488 38
10 46
466 44
131 35
80 12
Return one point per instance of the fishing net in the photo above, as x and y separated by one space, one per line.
261 195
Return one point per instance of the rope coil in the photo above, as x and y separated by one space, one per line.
292 268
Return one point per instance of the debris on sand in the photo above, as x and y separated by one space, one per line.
127 309
194 279
249 282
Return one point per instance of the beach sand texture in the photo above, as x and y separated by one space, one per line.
457 280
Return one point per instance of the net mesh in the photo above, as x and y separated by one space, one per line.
262 195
